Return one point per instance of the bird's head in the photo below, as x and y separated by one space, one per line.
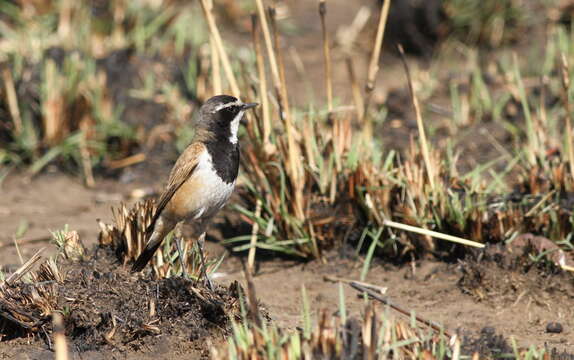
220 116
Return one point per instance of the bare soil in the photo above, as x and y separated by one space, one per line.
488 298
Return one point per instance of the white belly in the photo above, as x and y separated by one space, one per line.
209 193
212 195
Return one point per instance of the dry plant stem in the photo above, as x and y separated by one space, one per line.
356 90
367 121
214 31
539 204
417 230
253 240
127 161
60 343
282 85
65 20
336 279
262 79
294 162
86 158
202 74
268 43
374 64
12 99
376 55
422 134
386 301
279 85
215 63
24 241
326 55
252 298
566 100
215 67
25 268
348 37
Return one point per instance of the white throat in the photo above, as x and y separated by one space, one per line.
234 127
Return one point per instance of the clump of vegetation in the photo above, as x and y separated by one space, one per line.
375 335
491 23
80 290
77 74
28 298
323 182
127 238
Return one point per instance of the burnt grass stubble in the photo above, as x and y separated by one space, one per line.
106 308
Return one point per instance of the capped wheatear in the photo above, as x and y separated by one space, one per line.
203 177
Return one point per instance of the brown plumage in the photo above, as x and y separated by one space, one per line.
202 178
180 173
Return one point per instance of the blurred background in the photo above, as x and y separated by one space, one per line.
91 87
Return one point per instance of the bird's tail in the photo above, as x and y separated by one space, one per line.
158 233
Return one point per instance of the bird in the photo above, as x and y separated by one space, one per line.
202 179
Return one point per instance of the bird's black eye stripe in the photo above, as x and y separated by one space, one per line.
231 109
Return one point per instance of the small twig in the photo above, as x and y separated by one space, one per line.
379 289
422 133
253 241
47 337
25 268
386 301
326 55
539 204
434 234
127 161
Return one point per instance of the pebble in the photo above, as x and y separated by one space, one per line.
554 328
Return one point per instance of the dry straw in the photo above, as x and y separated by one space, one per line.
214 31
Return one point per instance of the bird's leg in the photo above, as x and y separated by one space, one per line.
178 239
200 246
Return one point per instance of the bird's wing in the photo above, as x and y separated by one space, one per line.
182 170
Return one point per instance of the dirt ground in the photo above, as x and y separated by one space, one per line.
473 297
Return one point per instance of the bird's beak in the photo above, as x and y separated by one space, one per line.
249 105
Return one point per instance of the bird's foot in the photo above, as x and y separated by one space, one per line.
181 255
208 283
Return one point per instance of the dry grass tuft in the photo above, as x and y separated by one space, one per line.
375 335
28 300
127 237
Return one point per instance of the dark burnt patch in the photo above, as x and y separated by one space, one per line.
108 309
